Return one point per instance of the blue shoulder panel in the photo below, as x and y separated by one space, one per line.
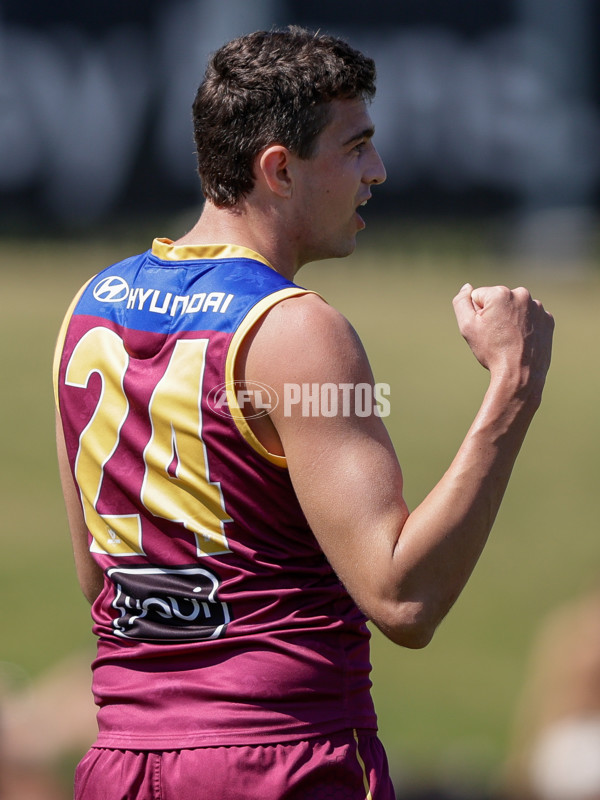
145 293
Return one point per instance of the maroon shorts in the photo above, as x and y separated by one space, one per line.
344 766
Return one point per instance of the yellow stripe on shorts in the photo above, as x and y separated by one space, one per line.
368 795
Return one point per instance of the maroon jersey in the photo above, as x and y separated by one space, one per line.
220 620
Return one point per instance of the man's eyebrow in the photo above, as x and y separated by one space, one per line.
368 133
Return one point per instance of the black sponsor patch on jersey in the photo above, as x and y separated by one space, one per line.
166 604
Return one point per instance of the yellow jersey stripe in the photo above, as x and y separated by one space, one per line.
61 338
251 318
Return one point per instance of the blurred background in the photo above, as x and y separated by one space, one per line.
483 109
488 121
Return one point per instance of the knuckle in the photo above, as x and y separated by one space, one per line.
520 292
503 292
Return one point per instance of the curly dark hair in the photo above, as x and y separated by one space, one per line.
270 87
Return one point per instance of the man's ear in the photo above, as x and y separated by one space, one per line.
274 164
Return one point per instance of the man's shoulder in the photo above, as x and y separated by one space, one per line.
305 313
305 337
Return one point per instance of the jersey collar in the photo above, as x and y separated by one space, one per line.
167 251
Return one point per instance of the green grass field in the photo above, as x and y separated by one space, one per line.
451 704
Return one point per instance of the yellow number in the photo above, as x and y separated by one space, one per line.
119 535
176 484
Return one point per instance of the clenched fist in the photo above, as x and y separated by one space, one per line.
508 331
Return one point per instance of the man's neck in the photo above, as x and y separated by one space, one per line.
247 228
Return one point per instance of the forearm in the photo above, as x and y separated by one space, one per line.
441 540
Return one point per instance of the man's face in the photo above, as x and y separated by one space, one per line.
333 184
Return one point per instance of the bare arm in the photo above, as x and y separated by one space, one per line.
89 573
404 569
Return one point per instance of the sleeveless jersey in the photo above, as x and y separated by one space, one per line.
220 620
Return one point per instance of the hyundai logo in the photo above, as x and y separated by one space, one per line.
111 290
